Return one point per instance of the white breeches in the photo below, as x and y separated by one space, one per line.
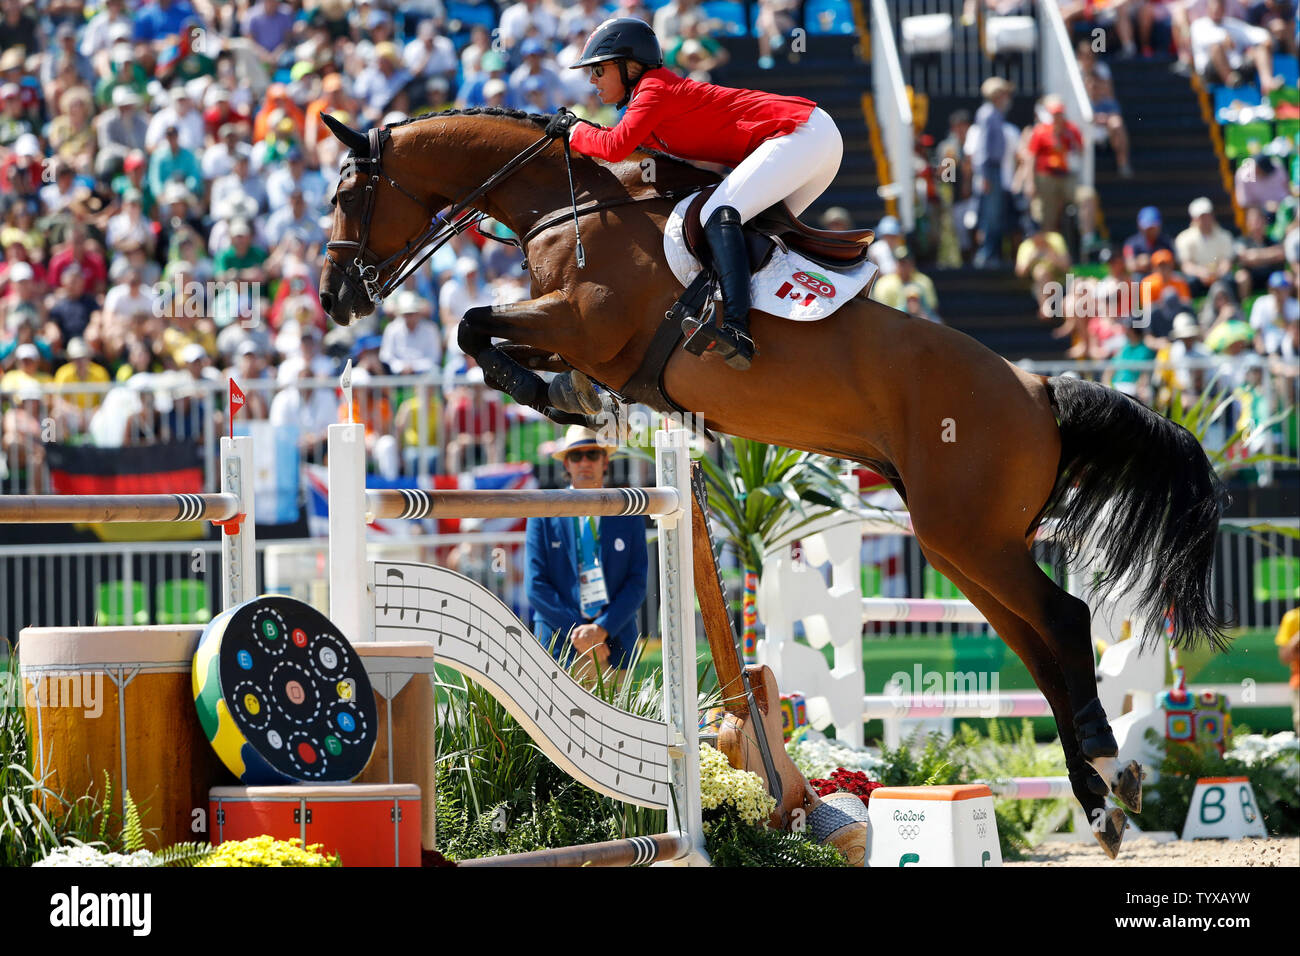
796 168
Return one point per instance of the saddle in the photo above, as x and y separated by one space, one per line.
775 226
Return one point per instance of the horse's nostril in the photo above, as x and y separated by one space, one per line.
327 301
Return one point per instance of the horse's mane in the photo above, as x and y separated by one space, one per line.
539 120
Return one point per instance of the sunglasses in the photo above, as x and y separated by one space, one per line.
598 70
593 454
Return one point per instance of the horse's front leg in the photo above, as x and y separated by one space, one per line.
535 359
545 324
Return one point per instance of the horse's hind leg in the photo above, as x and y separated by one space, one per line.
1089 789
1006 569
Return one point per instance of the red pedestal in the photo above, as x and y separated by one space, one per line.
366 825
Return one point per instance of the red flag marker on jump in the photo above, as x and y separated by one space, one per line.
236 403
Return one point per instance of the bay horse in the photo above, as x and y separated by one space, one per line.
980 450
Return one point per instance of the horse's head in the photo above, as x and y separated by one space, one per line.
379 215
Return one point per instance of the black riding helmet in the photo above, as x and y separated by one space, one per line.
622 39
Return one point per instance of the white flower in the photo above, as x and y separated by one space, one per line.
82 855
817 759
1254 749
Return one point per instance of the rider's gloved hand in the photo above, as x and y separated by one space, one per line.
561 123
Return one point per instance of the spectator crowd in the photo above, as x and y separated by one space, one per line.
165 184
165 180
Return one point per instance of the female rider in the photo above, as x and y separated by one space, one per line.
779 148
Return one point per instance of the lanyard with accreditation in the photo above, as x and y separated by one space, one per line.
591 576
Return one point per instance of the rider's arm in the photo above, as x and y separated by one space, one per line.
639 120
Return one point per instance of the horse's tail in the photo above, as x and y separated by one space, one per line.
1151 481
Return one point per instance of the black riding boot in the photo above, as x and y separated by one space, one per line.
730 258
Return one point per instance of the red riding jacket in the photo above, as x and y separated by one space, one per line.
700 121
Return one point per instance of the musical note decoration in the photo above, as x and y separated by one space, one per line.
610 750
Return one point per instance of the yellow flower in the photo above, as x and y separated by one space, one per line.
721 783
267 851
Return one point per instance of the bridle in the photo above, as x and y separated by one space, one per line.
363 273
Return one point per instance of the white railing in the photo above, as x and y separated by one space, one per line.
1059 74
894 114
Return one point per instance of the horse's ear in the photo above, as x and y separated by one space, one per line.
357 142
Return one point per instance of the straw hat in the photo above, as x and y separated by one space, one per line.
407 302
994 86
1185 326
579 437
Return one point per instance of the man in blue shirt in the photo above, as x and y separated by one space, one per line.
1146 242
162 20
993 143
586 577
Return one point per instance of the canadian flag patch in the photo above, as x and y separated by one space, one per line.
814 282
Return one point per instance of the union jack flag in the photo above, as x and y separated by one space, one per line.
484 478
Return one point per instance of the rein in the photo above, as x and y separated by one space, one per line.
364 276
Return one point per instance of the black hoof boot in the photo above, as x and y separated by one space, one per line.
506 375
1092 731
1110 833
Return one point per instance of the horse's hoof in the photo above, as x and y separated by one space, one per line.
1111 835
573 392
1127 786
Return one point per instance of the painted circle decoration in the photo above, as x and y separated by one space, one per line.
281 696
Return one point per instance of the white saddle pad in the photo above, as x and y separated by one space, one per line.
790 286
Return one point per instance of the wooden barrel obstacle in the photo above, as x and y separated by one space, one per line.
147 738
119 700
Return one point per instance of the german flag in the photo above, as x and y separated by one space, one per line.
171 468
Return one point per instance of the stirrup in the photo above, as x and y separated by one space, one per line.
734 346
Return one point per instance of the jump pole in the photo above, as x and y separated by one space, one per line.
232 508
